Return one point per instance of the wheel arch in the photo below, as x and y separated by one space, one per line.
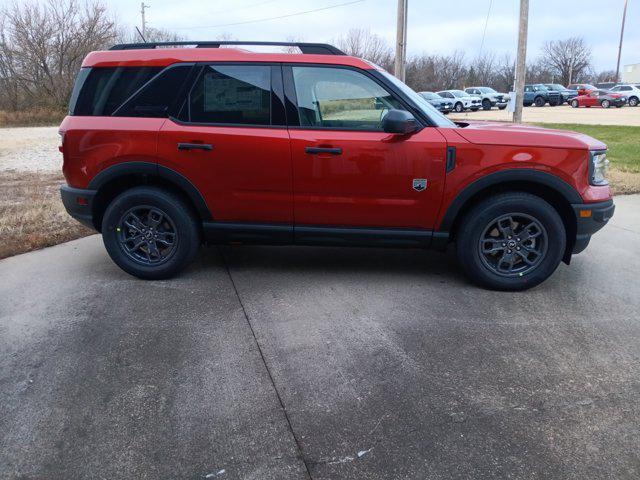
558 193
114 180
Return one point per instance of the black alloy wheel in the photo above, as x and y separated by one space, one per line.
513 244
147 235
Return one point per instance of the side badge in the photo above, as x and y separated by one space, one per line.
419 184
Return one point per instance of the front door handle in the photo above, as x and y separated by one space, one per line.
195 146
329 150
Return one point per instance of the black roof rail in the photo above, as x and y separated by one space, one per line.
306 48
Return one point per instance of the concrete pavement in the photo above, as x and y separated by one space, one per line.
267 362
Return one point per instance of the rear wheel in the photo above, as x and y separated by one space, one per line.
512 241
150 233
486 104
575 103
605 103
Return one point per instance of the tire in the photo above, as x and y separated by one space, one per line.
548 240
486 104
633 102
605 104
575 103
459 107
171 230
539 102
502 107
527 104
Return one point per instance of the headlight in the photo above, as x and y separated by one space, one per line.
598 168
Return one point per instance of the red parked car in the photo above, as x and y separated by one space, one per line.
582 88
600 98
166 148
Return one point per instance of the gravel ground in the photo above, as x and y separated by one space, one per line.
563 114
30 148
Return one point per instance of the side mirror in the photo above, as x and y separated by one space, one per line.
400 122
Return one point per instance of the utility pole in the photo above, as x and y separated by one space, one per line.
401 40
624 17
143 7
521 61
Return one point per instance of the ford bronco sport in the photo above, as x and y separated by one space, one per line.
167 146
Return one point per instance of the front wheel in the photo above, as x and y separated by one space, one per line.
459 107
575 103
539 102
150 233
512 241
486 104
605 104
633 102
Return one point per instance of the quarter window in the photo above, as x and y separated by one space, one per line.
104 89
340 98
232 94
158 95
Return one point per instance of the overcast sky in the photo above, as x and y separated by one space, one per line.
435 26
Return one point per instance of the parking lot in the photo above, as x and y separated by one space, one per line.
323 363
560 114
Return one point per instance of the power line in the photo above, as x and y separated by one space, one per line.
230 10
272 18
486 22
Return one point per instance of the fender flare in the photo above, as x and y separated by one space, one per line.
154 170
527 175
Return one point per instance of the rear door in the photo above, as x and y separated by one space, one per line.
230 140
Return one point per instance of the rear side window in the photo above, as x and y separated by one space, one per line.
158 96
105 88
232 94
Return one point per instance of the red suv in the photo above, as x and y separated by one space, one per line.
167 146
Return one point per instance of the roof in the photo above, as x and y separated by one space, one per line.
162 57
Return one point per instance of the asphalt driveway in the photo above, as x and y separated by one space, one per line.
324 363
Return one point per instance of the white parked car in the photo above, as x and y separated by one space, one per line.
632 92
489 97
462 100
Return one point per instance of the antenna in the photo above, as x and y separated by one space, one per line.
141 36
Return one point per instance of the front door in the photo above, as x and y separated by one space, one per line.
346 170
231 142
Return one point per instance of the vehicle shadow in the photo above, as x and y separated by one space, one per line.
338 260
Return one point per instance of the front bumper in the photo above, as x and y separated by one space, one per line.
79 204
590 217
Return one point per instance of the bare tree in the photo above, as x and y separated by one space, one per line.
42 46
568 59
362 43
504 76
481 71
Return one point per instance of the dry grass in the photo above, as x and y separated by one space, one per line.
623 183
31 213
33 117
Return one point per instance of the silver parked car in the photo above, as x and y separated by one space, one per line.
489 97
462 100
632 92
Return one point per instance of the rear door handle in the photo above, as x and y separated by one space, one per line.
330 151
195 146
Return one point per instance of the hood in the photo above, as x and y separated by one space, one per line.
494 133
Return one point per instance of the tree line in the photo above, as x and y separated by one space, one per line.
42 46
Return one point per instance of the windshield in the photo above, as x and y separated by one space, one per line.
459 93
554 86
539 87
487 90
429 110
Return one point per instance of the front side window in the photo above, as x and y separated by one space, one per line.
340 98
232 94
